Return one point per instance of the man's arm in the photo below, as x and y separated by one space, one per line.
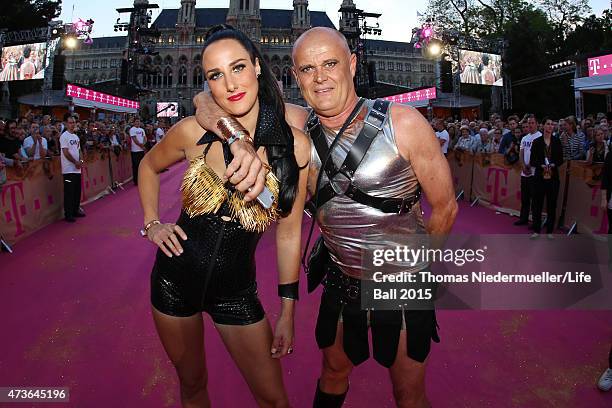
71 159
417 143
43 147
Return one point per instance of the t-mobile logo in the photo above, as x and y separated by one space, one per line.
594 66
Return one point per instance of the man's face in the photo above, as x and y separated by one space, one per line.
512 124
24 123
532 124
12 130
70 124
34 129
525 128
324 70
499 124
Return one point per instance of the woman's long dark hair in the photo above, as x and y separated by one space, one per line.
281 158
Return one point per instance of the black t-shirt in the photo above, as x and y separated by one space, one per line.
9 146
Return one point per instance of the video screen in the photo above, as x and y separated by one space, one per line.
22 62
167 109
480 68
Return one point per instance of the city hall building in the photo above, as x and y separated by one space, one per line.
175 74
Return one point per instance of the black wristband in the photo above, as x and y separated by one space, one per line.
289 290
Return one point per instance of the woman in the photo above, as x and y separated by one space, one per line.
599 149
546 158
465 140
496 136
606 189
213 268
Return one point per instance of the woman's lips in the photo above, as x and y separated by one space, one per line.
237 97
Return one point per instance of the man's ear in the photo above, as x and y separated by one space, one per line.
353 64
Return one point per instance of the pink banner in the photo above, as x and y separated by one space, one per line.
420 95
75 91
600 65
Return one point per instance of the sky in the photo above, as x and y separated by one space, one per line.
397 20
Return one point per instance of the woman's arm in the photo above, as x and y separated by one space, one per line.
168 151
288 247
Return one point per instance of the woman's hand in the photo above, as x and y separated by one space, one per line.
164 236
283 336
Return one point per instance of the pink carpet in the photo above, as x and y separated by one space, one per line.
75 302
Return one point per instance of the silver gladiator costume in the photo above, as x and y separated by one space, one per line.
349 227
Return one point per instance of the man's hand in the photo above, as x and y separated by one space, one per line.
246 172
208 112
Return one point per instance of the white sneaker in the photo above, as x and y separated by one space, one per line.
550 236
535 235
605 381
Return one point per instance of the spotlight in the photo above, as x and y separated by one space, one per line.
434 49
70 42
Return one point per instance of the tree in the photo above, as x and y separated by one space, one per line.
25 14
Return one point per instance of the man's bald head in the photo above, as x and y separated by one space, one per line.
319 35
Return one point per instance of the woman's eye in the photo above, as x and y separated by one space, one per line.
215 76
239 67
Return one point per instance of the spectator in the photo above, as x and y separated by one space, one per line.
599 149
508 136
137 136
524 128
484 144
159 132
442 135
527 171
465 141
572 141
51 134
10 143
546 158
496 137
34 146
71 169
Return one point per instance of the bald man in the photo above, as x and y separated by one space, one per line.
403 159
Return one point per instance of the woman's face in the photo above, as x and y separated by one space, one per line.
599 136
465 133
549 126
231 76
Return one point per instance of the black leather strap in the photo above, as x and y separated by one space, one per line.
372 125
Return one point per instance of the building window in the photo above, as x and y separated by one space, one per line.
408 67
94 63
390 66
171 39
399 66
113 63
167 79
77 64
182 79
86 64
381 64
430 68
104 63
423 68
198 78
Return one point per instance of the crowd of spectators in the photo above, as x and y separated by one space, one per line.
35 137
564 139
40 137
587 140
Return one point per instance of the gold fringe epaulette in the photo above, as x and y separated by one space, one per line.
252 215
202 189
204 192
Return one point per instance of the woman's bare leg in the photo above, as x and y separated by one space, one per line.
183 340
249 346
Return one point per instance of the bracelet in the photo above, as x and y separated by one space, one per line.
145 230
232 130
289 290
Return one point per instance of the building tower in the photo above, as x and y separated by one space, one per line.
186 21
245 15
300 21
349 23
